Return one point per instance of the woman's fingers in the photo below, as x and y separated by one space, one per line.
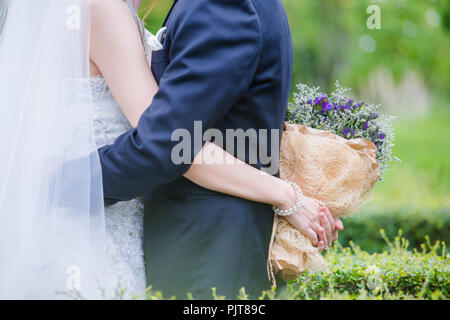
312 236
315 221
303 225
310 209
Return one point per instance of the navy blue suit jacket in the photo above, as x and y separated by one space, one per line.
227 63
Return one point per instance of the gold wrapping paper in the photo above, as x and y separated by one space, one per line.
338 172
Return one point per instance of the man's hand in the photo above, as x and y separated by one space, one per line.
330 224
315 221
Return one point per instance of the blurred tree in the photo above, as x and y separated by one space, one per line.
332 41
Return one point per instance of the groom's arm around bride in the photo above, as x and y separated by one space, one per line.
226 64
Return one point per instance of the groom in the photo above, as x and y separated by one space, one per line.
228 64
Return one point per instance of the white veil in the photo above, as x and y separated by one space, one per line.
51 198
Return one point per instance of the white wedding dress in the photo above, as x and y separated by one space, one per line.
124 220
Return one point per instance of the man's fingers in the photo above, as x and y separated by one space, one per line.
336 236
339 224
324 222
321 246
330 218
320 231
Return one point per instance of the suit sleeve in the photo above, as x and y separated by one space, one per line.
214 52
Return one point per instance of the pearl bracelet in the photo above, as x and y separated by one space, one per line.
297 205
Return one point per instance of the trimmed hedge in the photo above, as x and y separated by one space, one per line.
364 228
395 274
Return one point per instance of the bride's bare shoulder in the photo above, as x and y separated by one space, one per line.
113 17
104 9
107 3
114 32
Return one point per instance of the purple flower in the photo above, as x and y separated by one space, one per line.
346 130
353 133
327 106
374 116
366 125
381 136
309 101
318 99
350 101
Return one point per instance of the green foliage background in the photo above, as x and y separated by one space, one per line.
325 35
414 37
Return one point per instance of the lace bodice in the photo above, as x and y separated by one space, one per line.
109 121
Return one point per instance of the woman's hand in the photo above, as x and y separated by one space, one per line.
307 221
314 220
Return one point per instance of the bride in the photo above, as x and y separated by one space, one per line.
74 75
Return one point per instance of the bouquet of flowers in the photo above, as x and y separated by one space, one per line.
335 149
